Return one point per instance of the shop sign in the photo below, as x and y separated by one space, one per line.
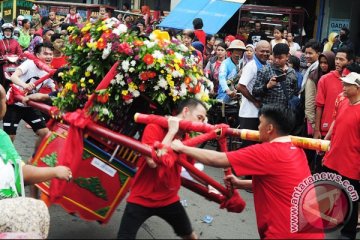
336 24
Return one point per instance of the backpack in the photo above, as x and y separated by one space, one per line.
298 107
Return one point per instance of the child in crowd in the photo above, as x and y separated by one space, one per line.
278 37
73 17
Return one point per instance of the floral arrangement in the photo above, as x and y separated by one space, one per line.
159 69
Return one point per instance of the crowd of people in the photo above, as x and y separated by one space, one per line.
282 87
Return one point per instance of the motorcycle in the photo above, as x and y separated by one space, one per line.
8 64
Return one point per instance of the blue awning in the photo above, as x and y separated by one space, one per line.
214 13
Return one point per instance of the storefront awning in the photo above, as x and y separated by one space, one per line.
214 13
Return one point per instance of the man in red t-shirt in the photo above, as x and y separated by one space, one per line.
155 187
344 155
277 168
328 88
199 33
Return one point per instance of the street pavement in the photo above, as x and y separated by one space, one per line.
224 225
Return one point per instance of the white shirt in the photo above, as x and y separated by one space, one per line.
31 73
248 78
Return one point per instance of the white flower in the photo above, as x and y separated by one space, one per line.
158 55
183 90
125 65
119 77
162 83
90 68
131 69
179 56
113 82
105 111
120 29
106 51
122 83
136 93
151 44
183 48
132 63
156 87
175 74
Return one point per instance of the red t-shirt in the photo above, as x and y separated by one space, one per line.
328 88
344 153
201 35
148 189
277 168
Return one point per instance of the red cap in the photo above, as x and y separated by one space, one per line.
229 38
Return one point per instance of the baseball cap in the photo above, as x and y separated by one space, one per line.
352 78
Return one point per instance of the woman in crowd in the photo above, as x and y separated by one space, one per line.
294 46
326 64
25 38
213 65
331 39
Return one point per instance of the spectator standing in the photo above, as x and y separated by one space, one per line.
213 66
294 46
329 87
326 64
229 72
25 38
278 37
256 35
73 17
269 87
331 40
249 107
343 40
199 32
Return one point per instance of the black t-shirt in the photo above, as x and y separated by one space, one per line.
255 37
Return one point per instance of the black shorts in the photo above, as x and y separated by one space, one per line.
14 114
135 215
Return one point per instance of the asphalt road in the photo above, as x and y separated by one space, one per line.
224 225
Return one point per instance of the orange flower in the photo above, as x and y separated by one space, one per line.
102 98
138 43
74 88
142 87
187 80
148 59
101 44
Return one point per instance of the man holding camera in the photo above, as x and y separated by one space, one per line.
276 83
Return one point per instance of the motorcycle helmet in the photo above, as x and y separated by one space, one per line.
19 20
7 26
16 32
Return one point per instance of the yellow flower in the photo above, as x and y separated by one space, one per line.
181 71
176 60
91 81
176 67
124 92
82 80
162 71
72 71
132 86
70 29
83 85
171 83
68 86
104 28
161 35
204 97
87 74
168 77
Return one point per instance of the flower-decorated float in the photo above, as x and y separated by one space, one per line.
112 75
